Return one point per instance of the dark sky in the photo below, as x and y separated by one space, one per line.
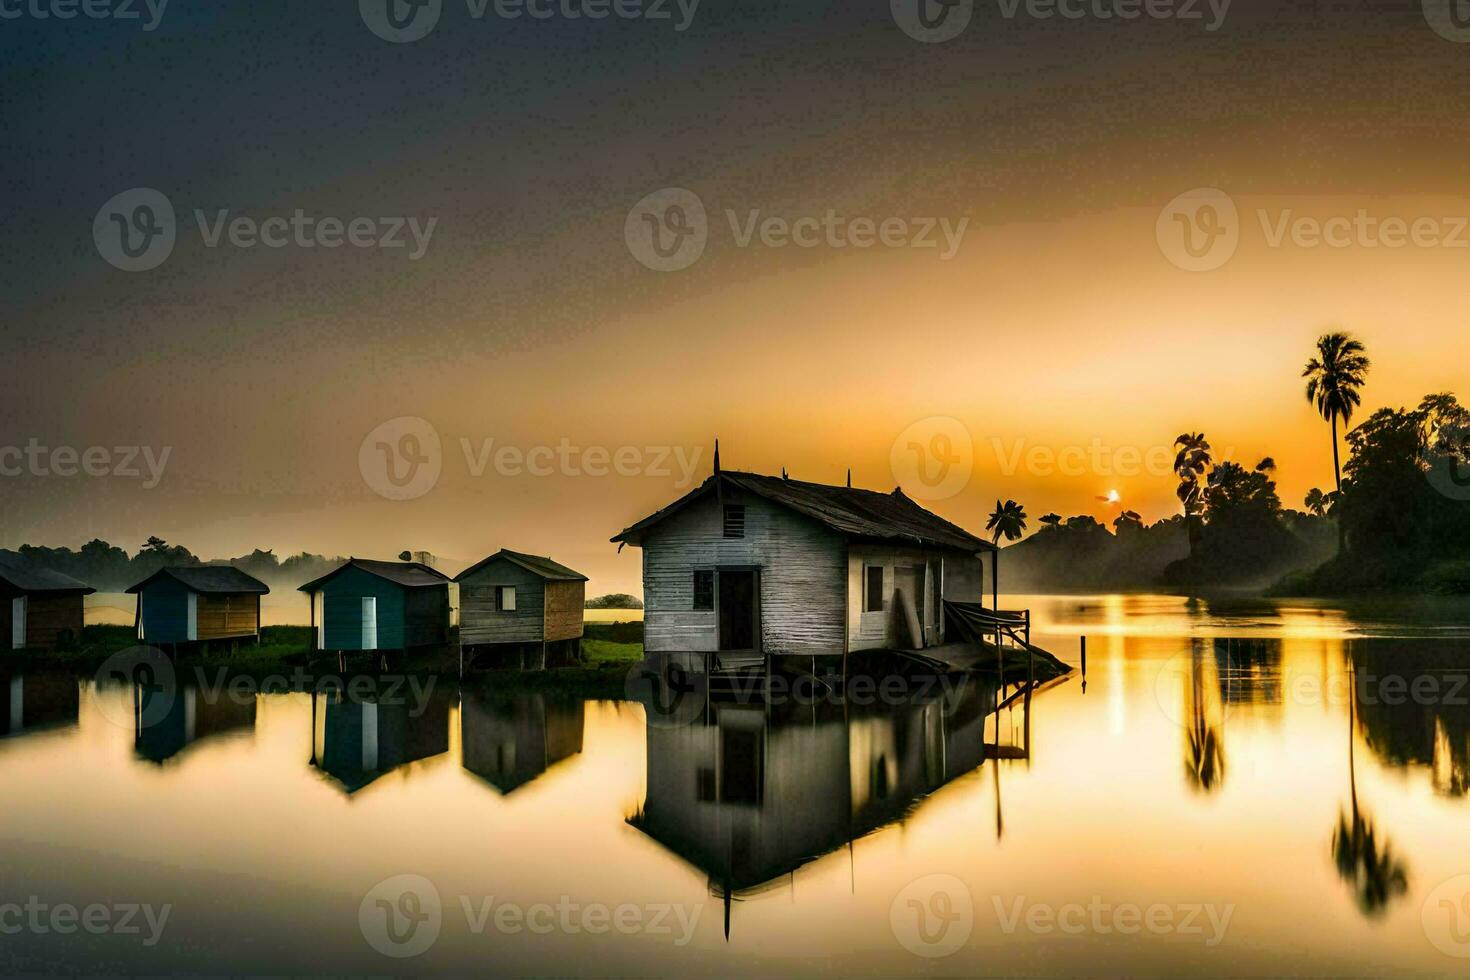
528 141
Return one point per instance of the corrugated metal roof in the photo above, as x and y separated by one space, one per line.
535 564
866 514
409 574
209 579
26 576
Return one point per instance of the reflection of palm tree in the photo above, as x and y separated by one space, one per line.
1375 873
1204 762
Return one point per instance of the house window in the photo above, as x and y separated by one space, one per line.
505 598
704 590
874 591
734 520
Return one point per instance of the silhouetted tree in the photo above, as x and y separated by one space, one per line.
1008 521
1333 379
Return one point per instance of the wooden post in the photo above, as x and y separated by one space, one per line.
1084 658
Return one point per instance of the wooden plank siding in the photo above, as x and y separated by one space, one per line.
51 618
227 616
426 616
803 570
946 574
165 606
565 604
479 620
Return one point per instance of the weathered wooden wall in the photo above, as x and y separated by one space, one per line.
481 622
565 602
227 616
947 575
49 617
802 577
426 616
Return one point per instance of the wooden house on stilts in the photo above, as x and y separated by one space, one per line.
198 603
39 609
379 605
766 565
525 605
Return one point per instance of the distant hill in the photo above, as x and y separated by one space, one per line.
1082 555
617 600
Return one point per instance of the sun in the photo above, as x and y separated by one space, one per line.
1114 496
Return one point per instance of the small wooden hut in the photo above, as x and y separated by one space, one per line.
198 603
523 604
39 609
379 605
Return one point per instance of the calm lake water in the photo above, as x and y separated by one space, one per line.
1212 801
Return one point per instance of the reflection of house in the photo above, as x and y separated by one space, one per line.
522 602
169 720
379 605
748 797
768 564
34 702
356 741
39 609
185 603
509 741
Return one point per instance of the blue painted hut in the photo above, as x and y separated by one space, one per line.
379 605
189 603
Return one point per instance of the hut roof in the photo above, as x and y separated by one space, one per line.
868 515
26 576
409 574
535 564
209 579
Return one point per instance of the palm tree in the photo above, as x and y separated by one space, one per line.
1316 502
1333 379
1009 520
1190 462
